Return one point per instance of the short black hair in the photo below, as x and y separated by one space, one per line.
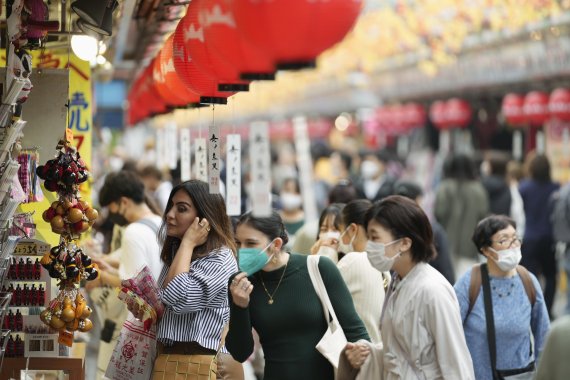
408 189
405 218
539 168
151 171
343 192
124 183
271 226
488 227
355 212
345 158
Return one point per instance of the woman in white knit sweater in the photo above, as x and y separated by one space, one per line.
367 285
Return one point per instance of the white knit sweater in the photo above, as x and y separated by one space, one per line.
366 286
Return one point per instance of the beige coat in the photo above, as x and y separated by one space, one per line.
422 333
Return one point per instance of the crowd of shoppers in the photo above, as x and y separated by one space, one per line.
388 265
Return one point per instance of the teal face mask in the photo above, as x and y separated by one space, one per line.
252 260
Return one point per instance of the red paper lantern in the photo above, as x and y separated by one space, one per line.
414 115
225 41
512 109
438 115
294 32
559 104
457 113
170 98
171 78
150 101
535 108
194 78
203 54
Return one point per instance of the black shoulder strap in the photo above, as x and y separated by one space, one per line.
489 318
150 224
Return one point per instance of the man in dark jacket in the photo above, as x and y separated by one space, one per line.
374 184
495 183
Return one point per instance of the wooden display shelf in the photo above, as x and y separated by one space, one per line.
74 364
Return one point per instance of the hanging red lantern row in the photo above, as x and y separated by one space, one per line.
171 86
294 32
204 55
535 108
414 115
195 79
512 109
226 41
458 113
437 114
559 104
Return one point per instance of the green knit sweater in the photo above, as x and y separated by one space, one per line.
290 328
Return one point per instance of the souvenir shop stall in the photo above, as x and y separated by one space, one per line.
44 200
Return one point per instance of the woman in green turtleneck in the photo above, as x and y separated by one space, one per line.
280 303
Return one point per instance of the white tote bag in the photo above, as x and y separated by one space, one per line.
334 341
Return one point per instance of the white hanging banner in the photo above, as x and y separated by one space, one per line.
171 145
305 165
540 142
517 145
185 155
566 141
214 158
260 159
233 175
161 159
444 142
201 160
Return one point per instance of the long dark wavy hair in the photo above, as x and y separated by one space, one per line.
209 206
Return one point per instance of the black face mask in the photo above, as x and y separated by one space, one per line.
118 219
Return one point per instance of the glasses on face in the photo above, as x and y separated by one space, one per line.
509 242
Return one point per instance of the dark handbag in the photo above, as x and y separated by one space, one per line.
526 373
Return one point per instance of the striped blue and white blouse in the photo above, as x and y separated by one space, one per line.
196 303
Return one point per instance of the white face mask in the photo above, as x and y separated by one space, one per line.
508 258
291 201
369 169
329 252
329 235
343 247
377 255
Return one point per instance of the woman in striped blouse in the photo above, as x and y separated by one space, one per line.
198 255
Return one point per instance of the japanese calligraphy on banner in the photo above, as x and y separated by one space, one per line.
260 169
305 164
201 160
233 175
185 155
214 159
171 146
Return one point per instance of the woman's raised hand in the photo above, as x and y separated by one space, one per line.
241 288
197 233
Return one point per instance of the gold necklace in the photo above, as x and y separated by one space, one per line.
270 301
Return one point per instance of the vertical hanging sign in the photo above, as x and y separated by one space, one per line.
160 143
214 160
260 169
185 156
305 164
201 160
171 151
233 175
